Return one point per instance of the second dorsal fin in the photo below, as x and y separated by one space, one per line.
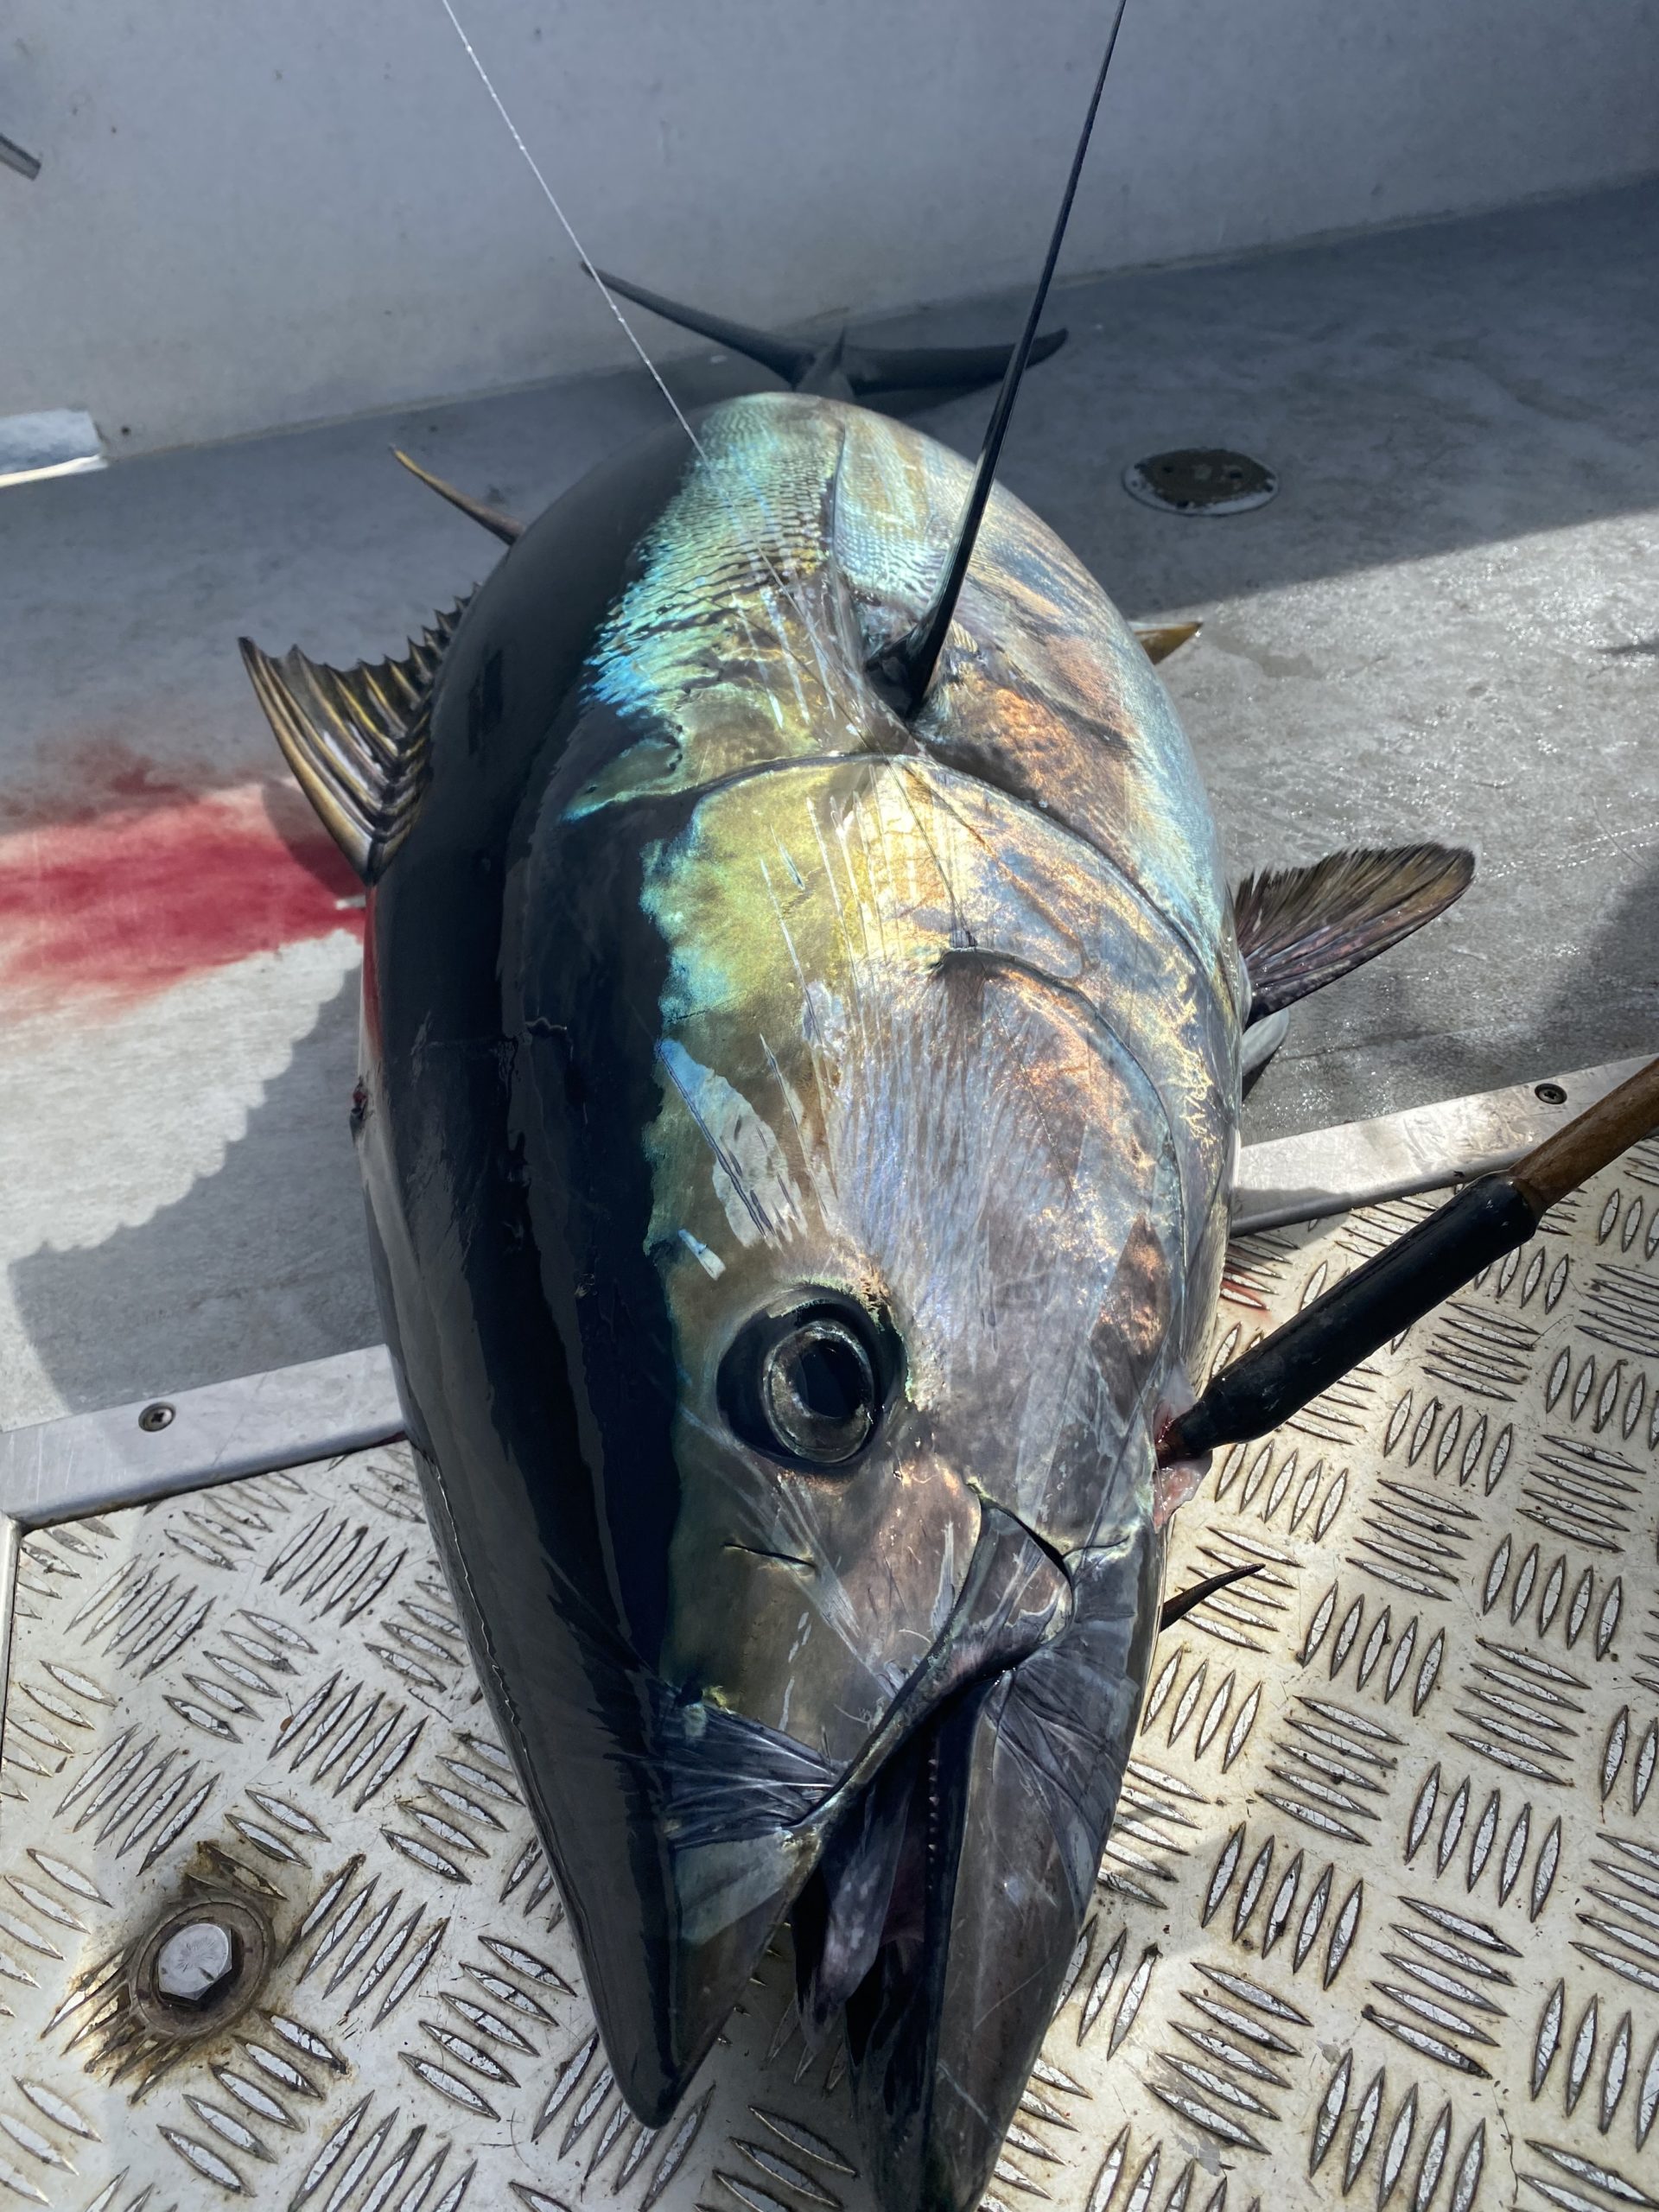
507 528
356 738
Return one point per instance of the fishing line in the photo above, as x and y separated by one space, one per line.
551 197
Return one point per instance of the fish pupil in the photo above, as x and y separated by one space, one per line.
819 1391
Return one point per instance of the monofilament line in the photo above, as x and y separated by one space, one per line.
758 559
551 197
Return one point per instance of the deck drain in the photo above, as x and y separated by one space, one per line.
199 1966
1200 480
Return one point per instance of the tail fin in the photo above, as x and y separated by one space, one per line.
874 371
904 668
789 357
839 367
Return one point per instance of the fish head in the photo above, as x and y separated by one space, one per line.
918 1214
918 1227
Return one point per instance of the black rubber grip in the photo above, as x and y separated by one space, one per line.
1277 1377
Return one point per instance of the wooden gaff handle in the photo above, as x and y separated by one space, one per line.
1586 1145
1277 1376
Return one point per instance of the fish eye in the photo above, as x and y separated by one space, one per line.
807 1385
818 1388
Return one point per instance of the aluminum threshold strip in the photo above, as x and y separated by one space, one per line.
1362 1163
88 1462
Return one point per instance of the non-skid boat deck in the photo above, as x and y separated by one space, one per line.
1378 1922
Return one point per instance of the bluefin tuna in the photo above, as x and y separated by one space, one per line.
798 1123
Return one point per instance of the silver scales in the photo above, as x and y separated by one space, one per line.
1378 1922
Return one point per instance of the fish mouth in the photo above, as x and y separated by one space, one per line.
1015 1598
744 1815
946 1903
935 1886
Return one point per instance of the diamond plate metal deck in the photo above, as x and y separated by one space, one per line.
1378 1924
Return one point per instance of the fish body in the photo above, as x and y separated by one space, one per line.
704 989
798 1138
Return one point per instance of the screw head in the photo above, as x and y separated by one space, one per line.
199 1967
156 1416
196 1963
1551 1093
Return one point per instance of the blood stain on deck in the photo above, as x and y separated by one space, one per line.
125 878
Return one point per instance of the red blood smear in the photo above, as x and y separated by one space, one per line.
108 908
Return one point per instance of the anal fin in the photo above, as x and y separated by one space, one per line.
1299 928
356 737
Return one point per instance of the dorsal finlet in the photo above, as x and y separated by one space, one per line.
506 527
356 738
903 670
1159 640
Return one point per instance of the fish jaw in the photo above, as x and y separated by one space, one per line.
1011 1793
938 1888
733 1875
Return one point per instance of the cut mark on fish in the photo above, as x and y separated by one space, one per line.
782 1558
711 1263
748 1159
1174 1485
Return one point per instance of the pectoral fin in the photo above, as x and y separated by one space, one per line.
1178 1607
1299 928
356 738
